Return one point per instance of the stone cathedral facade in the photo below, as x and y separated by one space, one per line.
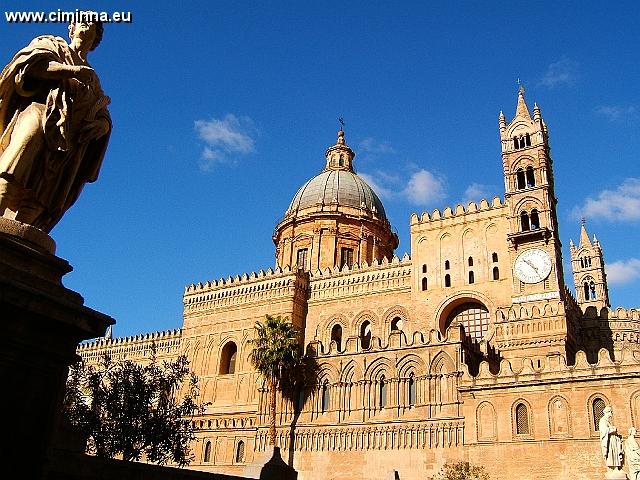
473 348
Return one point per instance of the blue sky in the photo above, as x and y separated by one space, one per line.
221 110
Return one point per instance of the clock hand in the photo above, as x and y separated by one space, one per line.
532 266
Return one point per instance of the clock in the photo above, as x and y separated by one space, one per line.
533 265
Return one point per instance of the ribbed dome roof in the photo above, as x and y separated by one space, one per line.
334 188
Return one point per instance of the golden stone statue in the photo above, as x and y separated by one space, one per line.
55 126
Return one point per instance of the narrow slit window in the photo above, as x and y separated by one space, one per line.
424 284
447 280
472 277
496 273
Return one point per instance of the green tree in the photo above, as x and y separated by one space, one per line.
127 409
277 355
461 471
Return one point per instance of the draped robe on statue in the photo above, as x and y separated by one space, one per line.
43 164
611 443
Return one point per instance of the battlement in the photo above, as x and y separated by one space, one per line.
240 290
460 210
380 276
137 346
396 339
552 368
546 309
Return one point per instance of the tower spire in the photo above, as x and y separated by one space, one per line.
584 236
522 110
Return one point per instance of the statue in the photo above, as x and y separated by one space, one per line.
611 444
54 126
632 455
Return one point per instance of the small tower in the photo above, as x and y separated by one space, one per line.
589 277
530 196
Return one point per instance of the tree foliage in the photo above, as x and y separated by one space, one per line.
128 410
461 471
277 355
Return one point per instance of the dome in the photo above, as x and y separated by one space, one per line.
337 188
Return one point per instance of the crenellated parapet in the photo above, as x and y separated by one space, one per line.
610 327
396 340
551 369
460 212
379 277
241 290
136 347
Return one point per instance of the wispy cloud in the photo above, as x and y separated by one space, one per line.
422 187
623 271
562 72
477 191
613 113
621 204
225 139
372 146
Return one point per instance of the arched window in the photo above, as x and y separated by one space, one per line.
586 290
592 290
496 273
472 278
520 179
424 268
336 335
412 390
581 262
228 358
535 221
396 324
447 280
446 265
524 222
597 409
382 397
325 396
240 452
494 257
516 144
522 419
527 140
470 261
474 318
365 335
531 179
207 452
424 283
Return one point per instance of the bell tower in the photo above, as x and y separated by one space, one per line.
589 277
534 242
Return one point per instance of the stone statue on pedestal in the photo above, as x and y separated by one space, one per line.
632 455
611 445
54 126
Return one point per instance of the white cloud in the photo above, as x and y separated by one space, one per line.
424 187
562 72
623 271
371 146
614 113
225 139
477 191
621 204
382 191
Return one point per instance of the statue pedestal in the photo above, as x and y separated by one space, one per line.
41 324
615 474
270 466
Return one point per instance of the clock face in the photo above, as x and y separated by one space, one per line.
533 265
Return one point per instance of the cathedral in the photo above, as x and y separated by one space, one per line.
472 348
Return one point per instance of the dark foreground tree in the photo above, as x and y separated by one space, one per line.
128 410
461 471
277 355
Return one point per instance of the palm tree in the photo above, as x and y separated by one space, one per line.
276 353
